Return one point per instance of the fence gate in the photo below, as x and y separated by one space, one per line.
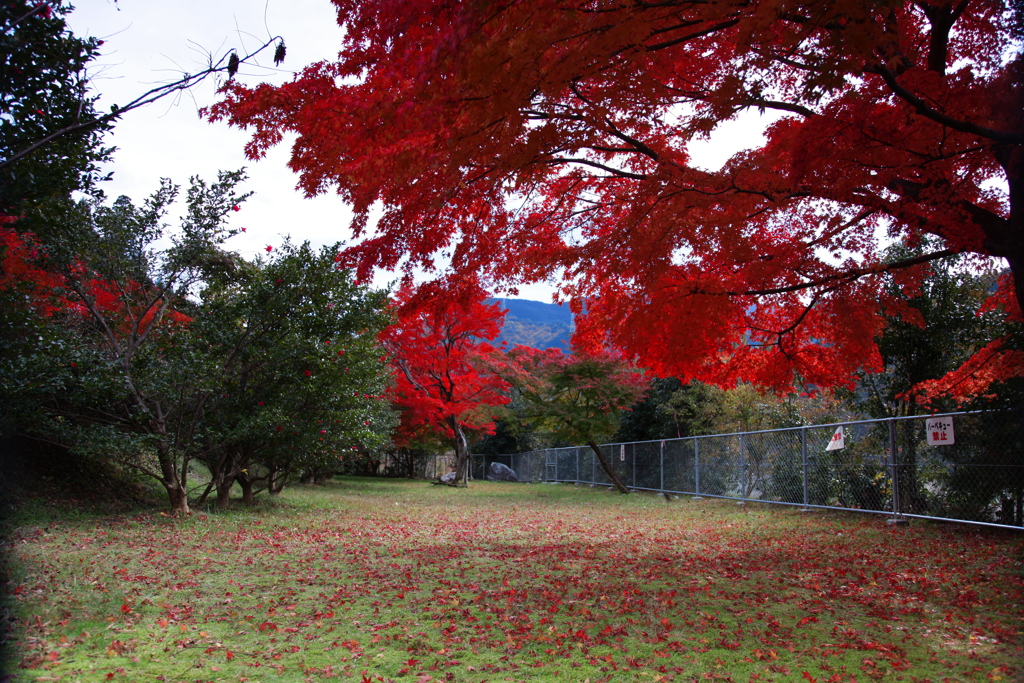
551 465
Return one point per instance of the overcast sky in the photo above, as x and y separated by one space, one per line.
147 42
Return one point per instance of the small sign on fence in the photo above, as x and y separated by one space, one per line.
622 453
939 431
838 441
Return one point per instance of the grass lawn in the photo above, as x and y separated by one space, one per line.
378 580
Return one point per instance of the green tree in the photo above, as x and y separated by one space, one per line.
302 377
941 324
577 398
514 432
120 373
944 321
43 90
159 357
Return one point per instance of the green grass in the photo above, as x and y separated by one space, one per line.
379 580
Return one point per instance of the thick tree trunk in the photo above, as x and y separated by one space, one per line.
607 467
173 482
224 495
224 478
178 497
247 490
1008 240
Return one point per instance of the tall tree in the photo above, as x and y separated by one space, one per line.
438 347
537 139
944 323
932 363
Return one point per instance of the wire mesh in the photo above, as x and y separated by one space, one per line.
898 466
774 467
977 477
857 476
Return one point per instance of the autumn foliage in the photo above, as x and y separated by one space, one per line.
539 139
439 350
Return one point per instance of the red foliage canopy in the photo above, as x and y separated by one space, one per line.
47 292
550 138
438 347
18 270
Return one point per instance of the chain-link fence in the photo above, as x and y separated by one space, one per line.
959 466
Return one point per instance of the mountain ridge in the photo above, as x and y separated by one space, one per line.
535 324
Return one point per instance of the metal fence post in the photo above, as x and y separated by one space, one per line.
894 466
696 465
661 467
577 464
803 457
633 485
743 467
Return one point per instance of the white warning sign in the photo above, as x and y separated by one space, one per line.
838 441
622 453
939 431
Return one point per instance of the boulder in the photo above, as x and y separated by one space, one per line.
499 472
448 479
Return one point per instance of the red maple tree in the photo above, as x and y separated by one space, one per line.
542 138
438 346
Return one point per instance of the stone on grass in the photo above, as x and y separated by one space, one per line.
499 472
448 479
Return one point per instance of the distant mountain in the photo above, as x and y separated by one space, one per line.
535 324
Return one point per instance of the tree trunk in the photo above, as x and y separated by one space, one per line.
606 466
247 494
461 453
178 497
276 480
224 495
172 481
224 478
1007 237
247 483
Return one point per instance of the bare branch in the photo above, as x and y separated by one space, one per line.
184 83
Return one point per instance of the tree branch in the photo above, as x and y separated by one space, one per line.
850 276
148 97
711 29
922 108
782 106
587 162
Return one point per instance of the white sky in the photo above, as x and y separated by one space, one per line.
148 42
